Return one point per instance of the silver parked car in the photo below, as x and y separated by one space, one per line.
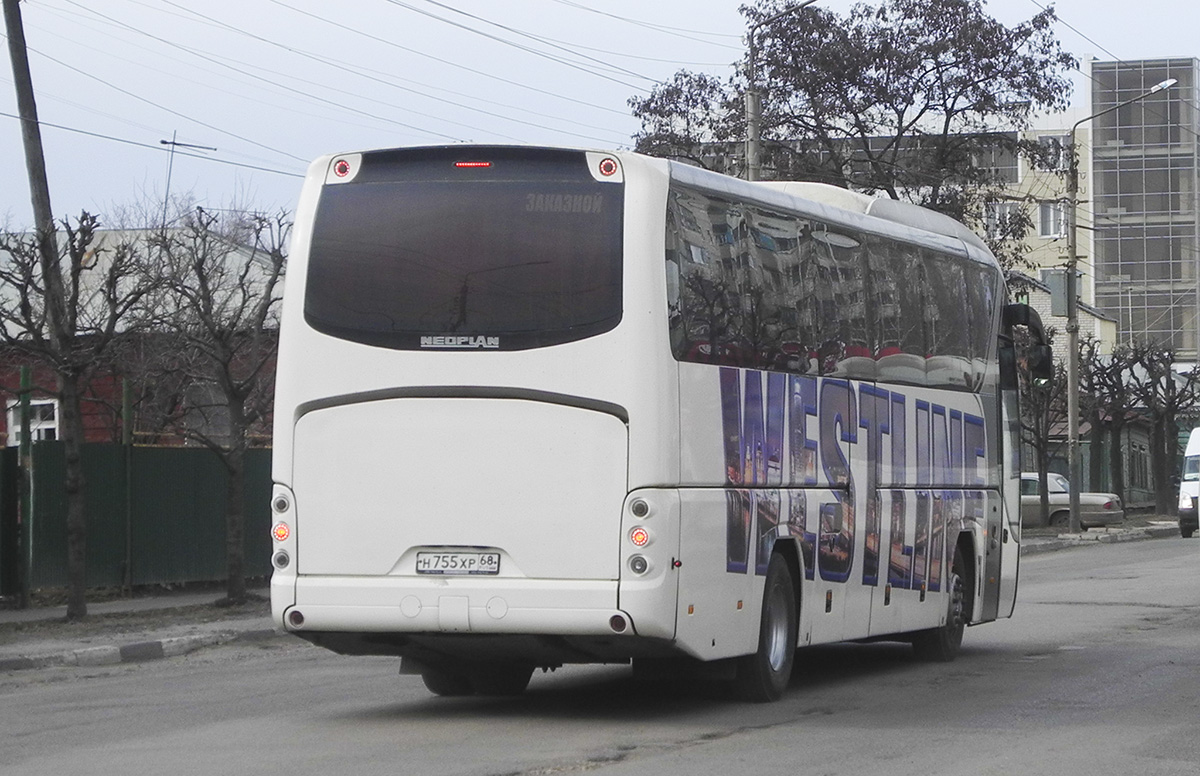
1095 509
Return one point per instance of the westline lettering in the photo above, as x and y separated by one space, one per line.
461 343
823 420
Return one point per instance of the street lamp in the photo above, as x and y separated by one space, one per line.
1073 302
754 100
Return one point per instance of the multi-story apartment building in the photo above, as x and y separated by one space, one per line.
1040 189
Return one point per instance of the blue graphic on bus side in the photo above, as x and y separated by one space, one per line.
829 422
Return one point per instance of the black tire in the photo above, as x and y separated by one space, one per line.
501 679
1060 520
763 676
1187 532
941 644
446 683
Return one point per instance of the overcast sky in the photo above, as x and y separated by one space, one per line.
272 84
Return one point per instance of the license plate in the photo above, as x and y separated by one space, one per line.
458 563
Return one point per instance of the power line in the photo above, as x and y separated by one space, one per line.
677 32
258 101
485 74
160 148
215 61
1146 108
573 48
362 73
173 112
519 46
548 41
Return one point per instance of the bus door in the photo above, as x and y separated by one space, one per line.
832 594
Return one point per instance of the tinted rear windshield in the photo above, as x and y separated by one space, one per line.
416 252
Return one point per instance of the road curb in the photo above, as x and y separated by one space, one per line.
1092 538
133 652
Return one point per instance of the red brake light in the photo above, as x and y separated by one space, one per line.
639 536
472 164
281 531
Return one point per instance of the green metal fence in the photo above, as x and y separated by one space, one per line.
155 516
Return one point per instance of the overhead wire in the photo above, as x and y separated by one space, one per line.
159 147
514 44
1087 74
670 30
161 107
239 95
220 63
362 73
570 48
451 63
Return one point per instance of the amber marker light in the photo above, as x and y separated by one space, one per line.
281 531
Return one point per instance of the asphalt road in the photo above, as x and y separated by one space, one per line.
1098 673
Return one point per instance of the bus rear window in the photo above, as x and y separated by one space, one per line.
417 253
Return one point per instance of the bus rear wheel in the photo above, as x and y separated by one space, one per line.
941 644
763 676
446 683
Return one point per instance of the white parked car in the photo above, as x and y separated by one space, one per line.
1095 509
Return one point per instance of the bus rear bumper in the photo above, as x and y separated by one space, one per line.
454 605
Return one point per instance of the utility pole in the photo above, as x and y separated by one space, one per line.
59 328
754 99
31 133
43 219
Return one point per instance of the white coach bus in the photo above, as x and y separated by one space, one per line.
541 406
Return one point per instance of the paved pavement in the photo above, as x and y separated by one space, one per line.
176 630
162 625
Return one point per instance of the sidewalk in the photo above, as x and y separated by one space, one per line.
128 630
175 623
1154 529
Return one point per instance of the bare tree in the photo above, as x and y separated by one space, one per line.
66 306
1107 402
221 275
1166 395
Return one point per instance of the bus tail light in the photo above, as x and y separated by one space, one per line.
281 559
295 618
472 165
281 531
618 623
638 564
639 536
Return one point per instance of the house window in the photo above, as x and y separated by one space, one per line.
43 421
997 216
1056 150
1051 220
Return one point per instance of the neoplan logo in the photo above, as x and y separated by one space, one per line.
461 343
